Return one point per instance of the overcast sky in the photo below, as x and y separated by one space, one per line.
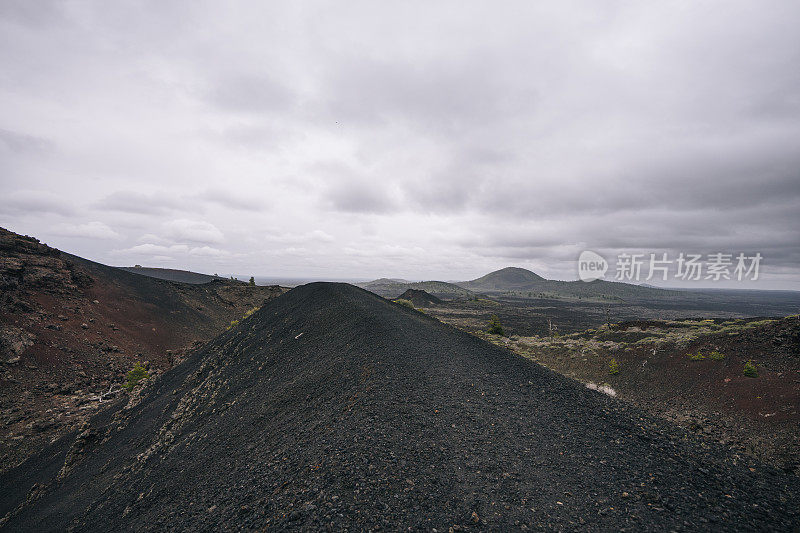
424 140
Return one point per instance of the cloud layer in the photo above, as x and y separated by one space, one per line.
417 140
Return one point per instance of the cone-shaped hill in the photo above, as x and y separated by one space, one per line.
504 279
332 408
420 298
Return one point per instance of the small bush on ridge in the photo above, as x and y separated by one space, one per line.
495 328
133 377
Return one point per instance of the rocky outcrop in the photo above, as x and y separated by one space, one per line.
27 264
14 341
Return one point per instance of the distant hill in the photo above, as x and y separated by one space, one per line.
420 298
171 274
609 290
520 282
389 288
390 280
508 278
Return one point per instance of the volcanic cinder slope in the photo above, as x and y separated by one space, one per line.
334 408
171 274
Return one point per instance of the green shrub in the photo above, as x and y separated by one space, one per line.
133 377
750 370
495 328
696 357
613 367
235 323
716 356
407 303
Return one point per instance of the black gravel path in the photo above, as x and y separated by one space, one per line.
332 408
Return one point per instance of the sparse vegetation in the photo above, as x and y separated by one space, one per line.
716 355
404 302
134 376
252 281
750 370
697 357
613 367
235 323
495 328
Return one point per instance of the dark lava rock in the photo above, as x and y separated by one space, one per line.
333 409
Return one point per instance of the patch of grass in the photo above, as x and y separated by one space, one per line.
750 370
716 355
235 323
404 302
613 367
697 357
757 323
495 328
133 377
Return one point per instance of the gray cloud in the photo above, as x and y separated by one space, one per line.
30 14
360 197
231 200
140 203
90 230
246 93
27 202
22 143
441 140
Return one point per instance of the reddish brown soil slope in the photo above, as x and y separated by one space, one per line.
692 372
70 329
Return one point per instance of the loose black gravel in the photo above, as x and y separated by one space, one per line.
333 409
